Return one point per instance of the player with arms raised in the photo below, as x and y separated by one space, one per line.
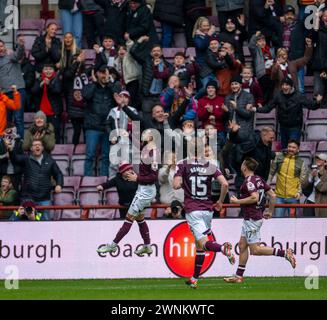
195 175
145 194
253 201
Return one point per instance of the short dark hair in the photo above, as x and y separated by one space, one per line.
157 45
298 143
251 164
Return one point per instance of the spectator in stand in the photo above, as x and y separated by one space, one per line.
119 127
168 194
93 21
232 68
47 48
171 15
266 16
155 73
229 9
48 89
184 70
100 100
106 54
28 72
27 212
74 76
11 139
160 120
8 104
173 97
251 85
202 32
293 39
316 185
72 19
302 4
263 59
139 24
291 172
40 130
11 80
241 107
3 29
211 110
130 72
319 64
235 33
257 145
285 68
126 189
193 9
39 171
8 196
289 104
114 10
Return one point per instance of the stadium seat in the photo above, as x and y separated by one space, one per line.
80 149
169 53
63 163
111 197
307 150
68 196
316 132
179 39
77 165
63 149
322 146
190 52
29 41
32 24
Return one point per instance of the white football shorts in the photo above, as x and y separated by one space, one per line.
199 223
143 198
251 231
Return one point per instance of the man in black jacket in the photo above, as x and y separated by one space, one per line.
100 100
140 23
289 104
265 16
155 73
39 169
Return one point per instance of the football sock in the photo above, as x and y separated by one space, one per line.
212 246
144 231
240 270
123 231
199 259
279 253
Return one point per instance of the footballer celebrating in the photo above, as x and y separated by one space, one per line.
195 176
145 194
253 200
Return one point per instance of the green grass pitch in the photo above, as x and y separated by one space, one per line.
174 289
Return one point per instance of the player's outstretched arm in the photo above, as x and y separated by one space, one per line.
177 182
272 201
253 198
224 188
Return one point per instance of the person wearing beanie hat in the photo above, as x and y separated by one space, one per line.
126 189
40 130
237 78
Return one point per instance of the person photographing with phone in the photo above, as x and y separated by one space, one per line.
315 187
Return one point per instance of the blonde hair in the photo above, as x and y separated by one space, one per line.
74 51
281 51
198 23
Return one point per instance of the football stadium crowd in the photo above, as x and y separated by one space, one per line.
253 77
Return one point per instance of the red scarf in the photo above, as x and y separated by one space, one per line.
266 53
45 105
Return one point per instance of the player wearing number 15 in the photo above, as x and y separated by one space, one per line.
253 200
195 176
